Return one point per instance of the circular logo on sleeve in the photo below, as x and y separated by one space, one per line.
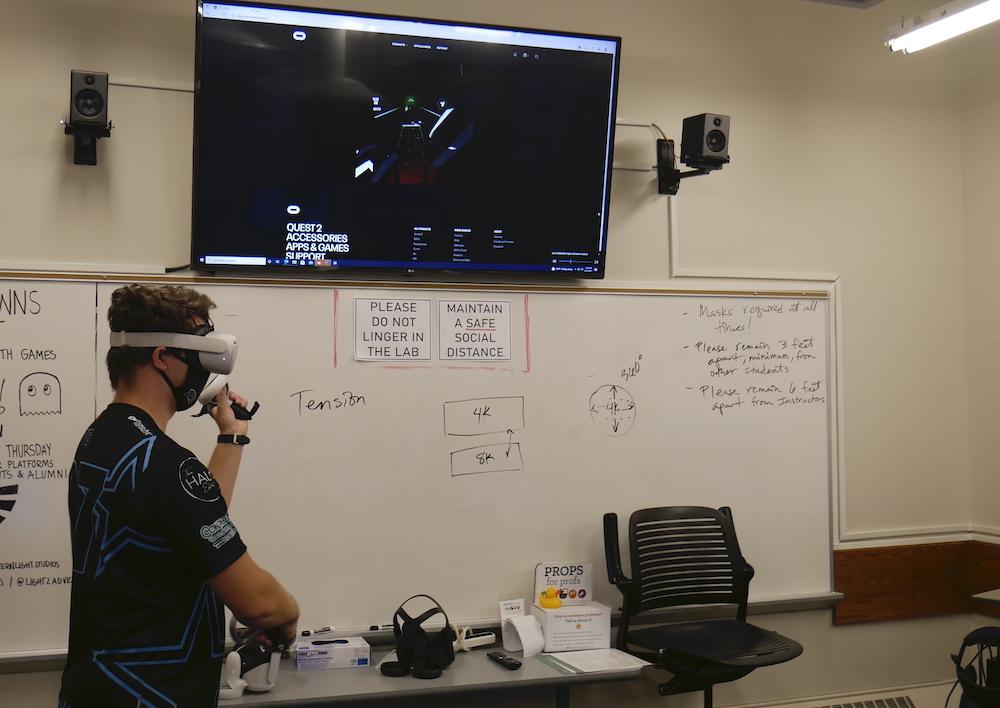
197 481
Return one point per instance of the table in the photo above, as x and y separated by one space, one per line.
989 596
471 672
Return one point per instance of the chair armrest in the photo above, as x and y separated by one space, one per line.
612 554
745 576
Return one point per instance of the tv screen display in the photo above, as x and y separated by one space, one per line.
337 140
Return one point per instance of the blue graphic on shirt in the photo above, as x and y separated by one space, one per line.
122 665
108 484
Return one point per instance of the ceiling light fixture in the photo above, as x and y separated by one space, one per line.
942 24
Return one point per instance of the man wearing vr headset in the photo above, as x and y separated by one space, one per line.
154 549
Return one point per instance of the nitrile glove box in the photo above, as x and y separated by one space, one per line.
317 653
573 627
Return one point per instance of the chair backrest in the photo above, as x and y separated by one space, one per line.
686 555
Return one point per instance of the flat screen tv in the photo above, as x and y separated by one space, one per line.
348 141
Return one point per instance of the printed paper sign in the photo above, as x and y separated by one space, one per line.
392 330
575 581
474 330
511 608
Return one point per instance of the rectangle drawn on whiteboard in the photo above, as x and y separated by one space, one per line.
482 416
502 457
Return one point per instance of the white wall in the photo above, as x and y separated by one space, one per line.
846 160
833 142
981 181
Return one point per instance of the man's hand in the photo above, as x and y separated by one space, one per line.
282 635
224 416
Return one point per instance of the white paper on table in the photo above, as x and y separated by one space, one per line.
591 660
522 632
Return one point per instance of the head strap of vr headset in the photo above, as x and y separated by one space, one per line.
419 620
171 340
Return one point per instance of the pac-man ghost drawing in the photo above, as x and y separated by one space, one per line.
40 394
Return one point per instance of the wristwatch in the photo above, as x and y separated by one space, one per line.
233 440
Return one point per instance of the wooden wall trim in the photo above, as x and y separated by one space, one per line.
984 574
904 582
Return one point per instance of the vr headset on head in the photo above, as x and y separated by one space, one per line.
208 354
215 352
420 654
980 677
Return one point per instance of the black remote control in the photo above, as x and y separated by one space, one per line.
508 662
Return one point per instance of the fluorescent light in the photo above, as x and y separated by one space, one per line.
942 24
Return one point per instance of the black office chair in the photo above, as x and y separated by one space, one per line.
688 555
980 675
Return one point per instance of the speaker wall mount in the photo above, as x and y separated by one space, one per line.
704 147
88 114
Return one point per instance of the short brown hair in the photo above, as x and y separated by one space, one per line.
143 308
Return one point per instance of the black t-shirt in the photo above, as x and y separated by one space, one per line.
149 526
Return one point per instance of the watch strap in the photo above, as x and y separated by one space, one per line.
233 440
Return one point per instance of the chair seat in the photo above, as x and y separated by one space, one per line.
726 642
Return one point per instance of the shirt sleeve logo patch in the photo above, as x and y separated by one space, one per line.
197 481
219 532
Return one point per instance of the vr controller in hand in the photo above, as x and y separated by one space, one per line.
208 398
254 663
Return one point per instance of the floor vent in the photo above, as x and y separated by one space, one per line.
897 702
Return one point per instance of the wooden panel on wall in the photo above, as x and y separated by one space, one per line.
903 582
984 574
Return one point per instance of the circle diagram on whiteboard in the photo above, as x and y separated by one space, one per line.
612 409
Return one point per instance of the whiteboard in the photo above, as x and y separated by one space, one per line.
46 402
371 480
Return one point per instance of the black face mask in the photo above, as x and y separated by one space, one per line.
186 395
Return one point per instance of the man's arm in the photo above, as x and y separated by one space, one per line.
225 461
224 466
255 597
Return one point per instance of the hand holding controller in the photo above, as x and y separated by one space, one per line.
225 406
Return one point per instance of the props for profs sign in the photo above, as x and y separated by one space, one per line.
575 581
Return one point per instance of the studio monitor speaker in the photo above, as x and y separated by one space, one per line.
88 98
705 141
